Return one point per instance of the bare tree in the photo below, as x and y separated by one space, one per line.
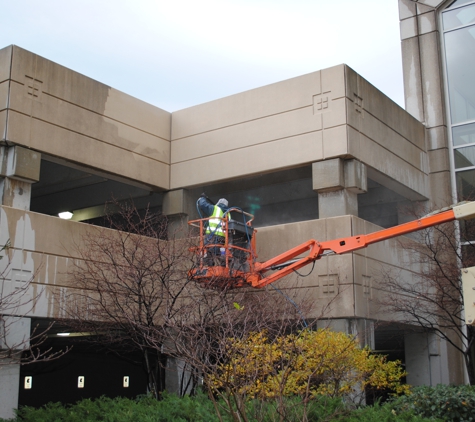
132 288
18 342
432 300
128 278
201 333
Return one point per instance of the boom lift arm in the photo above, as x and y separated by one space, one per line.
248 272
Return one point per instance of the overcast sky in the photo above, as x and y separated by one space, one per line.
178 53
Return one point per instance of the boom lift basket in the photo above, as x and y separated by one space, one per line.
225 261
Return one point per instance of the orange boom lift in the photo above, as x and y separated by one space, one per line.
236 264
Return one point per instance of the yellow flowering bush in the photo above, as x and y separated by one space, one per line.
308 364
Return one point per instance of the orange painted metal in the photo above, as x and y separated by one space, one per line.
354 243
255 275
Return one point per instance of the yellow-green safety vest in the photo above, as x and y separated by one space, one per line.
215 223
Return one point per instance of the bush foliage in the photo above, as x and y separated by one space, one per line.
307 364
447 403
201 409
144 409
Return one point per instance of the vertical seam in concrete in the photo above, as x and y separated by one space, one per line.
170 154
346 97
420 67
31 108
321 118
354 268
5 135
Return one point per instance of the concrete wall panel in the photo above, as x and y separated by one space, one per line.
322 305
333 81
427 22
4 95
368 100
412 77
138 114
3 124
246 134
261 102
440 189
408 28
335 142
390 164
72 87
280 154
379 131
83 150
439 160
5 63
436 138
407 8
336 115
41 233
431 74
92 125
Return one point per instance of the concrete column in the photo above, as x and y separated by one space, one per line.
417 358
178 377
19 168
338 182
14 337
427 360
422 59
9 386
178 206
362 329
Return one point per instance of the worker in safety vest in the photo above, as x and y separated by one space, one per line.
214 231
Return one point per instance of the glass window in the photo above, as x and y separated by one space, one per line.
464 157
458 3
463 135
465 185
460 55
459 17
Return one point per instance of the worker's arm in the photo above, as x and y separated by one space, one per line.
206 206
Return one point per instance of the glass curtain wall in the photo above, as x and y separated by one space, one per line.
459 38
458 22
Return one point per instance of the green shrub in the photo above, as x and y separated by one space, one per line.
382 413
424 404
144 409
448 403
319 409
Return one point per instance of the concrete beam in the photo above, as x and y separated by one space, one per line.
338 182
20 163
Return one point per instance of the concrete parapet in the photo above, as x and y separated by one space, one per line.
62 113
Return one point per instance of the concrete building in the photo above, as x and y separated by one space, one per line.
323 155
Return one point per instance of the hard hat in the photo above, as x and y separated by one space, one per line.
223 202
